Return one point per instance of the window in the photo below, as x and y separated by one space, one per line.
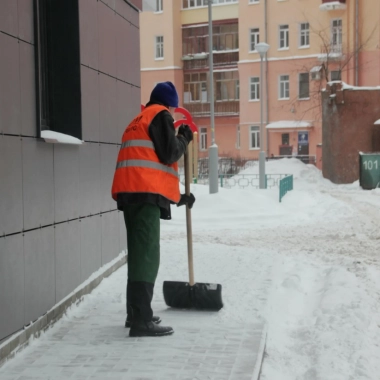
254 93
58 85
336 35
238 137
237 90
225 37
195 88
159 47
254 137
203 3
283 42
304 34
303 92
203 139
315 73
159 7
254 38
253 1
284 87
195 39
226 85
285 139
335 75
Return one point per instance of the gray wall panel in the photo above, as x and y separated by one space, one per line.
110 236
125 113
8 17
110 3
66 181
91 245
90 104
38 183
108 157
89 37
135 100
10 185
127 12
39 272
28 90
89 184
122 49
108 109
10 112
122 233
134 57
107 39
67 256
25 20
11 284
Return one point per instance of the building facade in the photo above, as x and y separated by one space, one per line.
311 43
69 84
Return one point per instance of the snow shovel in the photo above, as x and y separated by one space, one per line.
188 295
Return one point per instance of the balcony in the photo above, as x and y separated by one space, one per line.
220 58
332 52
332 5
221 108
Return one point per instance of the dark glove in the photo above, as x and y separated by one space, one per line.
185 131
186 199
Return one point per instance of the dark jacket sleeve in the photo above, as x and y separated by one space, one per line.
168 146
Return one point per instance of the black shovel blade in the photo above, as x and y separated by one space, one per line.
202 296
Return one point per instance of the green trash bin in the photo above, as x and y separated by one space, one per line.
369 170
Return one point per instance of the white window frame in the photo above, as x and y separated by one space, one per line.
304 34
203 139
299 86
254 1
336 34
238 137
254 130
283 37
254 38
254 89
335 71
159 6
283 87
159 47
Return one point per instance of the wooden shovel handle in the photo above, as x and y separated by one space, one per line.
188 221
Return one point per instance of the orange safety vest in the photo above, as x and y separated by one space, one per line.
138 168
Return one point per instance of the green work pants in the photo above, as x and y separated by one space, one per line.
142 221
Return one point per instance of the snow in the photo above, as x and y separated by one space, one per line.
289 124
346 86
56 137
308 267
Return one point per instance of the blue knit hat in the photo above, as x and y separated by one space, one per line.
165 93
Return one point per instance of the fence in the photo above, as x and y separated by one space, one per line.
286 184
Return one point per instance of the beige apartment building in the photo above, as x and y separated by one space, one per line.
311 42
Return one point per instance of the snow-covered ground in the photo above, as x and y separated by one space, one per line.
309 267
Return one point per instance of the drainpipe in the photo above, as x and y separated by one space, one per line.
266 74
357 43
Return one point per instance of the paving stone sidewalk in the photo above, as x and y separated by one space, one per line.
90 342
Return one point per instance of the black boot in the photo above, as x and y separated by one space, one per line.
144 328
156 319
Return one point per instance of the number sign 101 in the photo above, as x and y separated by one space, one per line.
369 165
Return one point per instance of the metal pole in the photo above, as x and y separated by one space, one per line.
213 149
262 147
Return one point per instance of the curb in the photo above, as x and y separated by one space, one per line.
21 339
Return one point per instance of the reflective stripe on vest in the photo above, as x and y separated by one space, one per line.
142 143
147 164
